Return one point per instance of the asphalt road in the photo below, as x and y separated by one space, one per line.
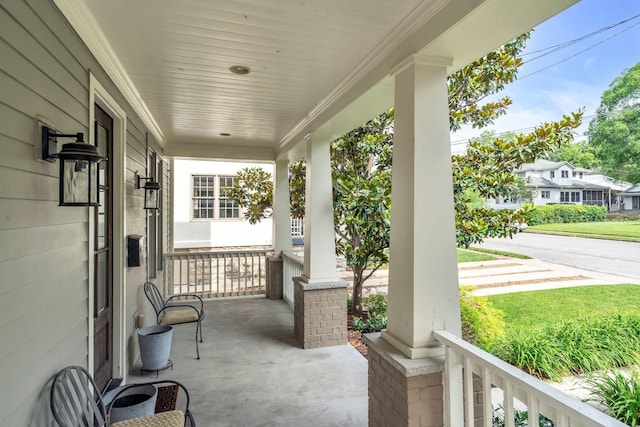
607 256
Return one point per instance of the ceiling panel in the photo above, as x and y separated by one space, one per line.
178 54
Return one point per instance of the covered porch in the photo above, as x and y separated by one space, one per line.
253 373
150 81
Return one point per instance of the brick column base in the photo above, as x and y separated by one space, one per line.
403 391
320 313
274 278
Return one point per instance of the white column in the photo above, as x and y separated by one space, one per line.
319 240
423 274
281 208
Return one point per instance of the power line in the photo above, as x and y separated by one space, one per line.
578 53
554 48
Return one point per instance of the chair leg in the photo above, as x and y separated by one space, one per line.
200 326
197 349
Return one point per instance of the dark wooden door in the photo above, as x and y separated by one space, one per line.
103 255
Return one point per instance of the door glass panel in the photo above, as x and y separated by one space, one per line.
101 291
101 226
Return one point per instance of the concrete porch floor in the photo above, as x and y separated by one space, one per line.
252 374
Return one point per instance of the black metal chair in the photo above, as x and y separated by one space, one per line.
176 310
76 402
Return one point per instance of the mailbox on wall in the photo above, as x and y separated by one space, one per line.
135 249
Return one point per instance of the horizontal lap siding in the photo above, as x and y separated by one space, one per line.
44 248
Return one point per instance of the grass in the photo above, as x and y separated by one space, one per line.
569 331
529 309
497 252
620 393
611 230
465 255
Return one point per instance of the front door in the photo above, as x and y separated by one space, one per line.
103 255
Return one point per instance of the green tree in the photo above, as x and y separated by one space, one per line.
615 131
361 163
581 155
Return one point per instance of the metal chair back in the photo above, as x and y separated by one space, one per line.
154 297
76 400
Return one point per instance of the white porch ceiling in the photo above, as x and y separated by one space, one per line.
309 59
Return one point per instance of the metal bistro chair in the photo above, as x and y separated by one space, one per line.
76 402
174 311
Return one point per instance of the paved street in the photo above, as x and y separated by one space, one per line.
593 255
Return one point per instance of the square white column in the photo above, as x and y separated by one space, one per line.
423 274
319 235
281 208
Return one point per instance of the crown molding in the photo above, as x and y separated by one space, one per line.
405 28
85 25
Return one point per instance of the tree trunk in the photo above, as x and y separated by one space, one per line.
356 307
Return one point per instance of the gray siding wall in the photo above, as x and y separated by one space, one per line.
44 249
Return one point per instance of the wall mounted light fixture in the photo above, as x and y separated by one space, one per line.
79 163
151 190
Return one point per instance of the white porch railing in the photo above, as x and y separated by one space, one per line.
216 274
464 360
292 266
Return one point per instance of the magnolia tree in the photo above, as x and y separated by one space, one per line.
615 131
361 170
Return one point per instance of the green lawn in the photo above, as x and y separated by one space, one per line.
612 230
469 256
569 331
549 307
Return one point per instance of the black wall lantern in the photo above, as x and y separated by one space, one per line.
151 190
78 167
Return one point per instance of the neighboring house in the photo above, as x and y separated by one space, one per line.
630 198
203 216
560 182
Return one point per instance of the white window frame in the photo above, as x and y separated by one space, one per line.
564 174
216 198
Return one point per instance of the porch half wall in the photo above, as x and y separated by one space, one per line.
45 249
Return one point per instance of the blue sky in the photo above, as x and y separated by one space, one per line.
579 81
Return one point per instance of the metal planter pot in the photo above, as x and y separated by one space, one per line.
135 402
155 346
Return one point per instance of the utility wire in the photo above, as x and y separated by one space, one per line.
577 53
563 45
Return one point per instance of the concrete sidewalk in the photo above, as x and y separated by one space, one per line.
518 275
513 275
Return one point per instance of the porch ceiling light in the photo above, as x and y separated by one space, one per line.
79 167
151 190
240 69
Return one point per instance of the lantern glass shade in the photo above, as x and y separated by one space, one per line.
79 182
151 198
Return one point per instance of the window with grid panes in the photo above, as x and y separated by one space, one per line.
211 200
203 197
227 208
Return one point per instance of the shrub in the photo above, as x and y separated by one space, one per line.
553 214
520 418
375 305
573 347
482 324
620 393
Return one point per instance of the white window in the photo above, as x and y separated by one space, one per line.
564 174
552 174
564 197
545 194
575 197
210 198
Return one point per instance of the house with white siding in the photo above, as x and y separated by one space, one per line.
270 82
562 183
203 217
